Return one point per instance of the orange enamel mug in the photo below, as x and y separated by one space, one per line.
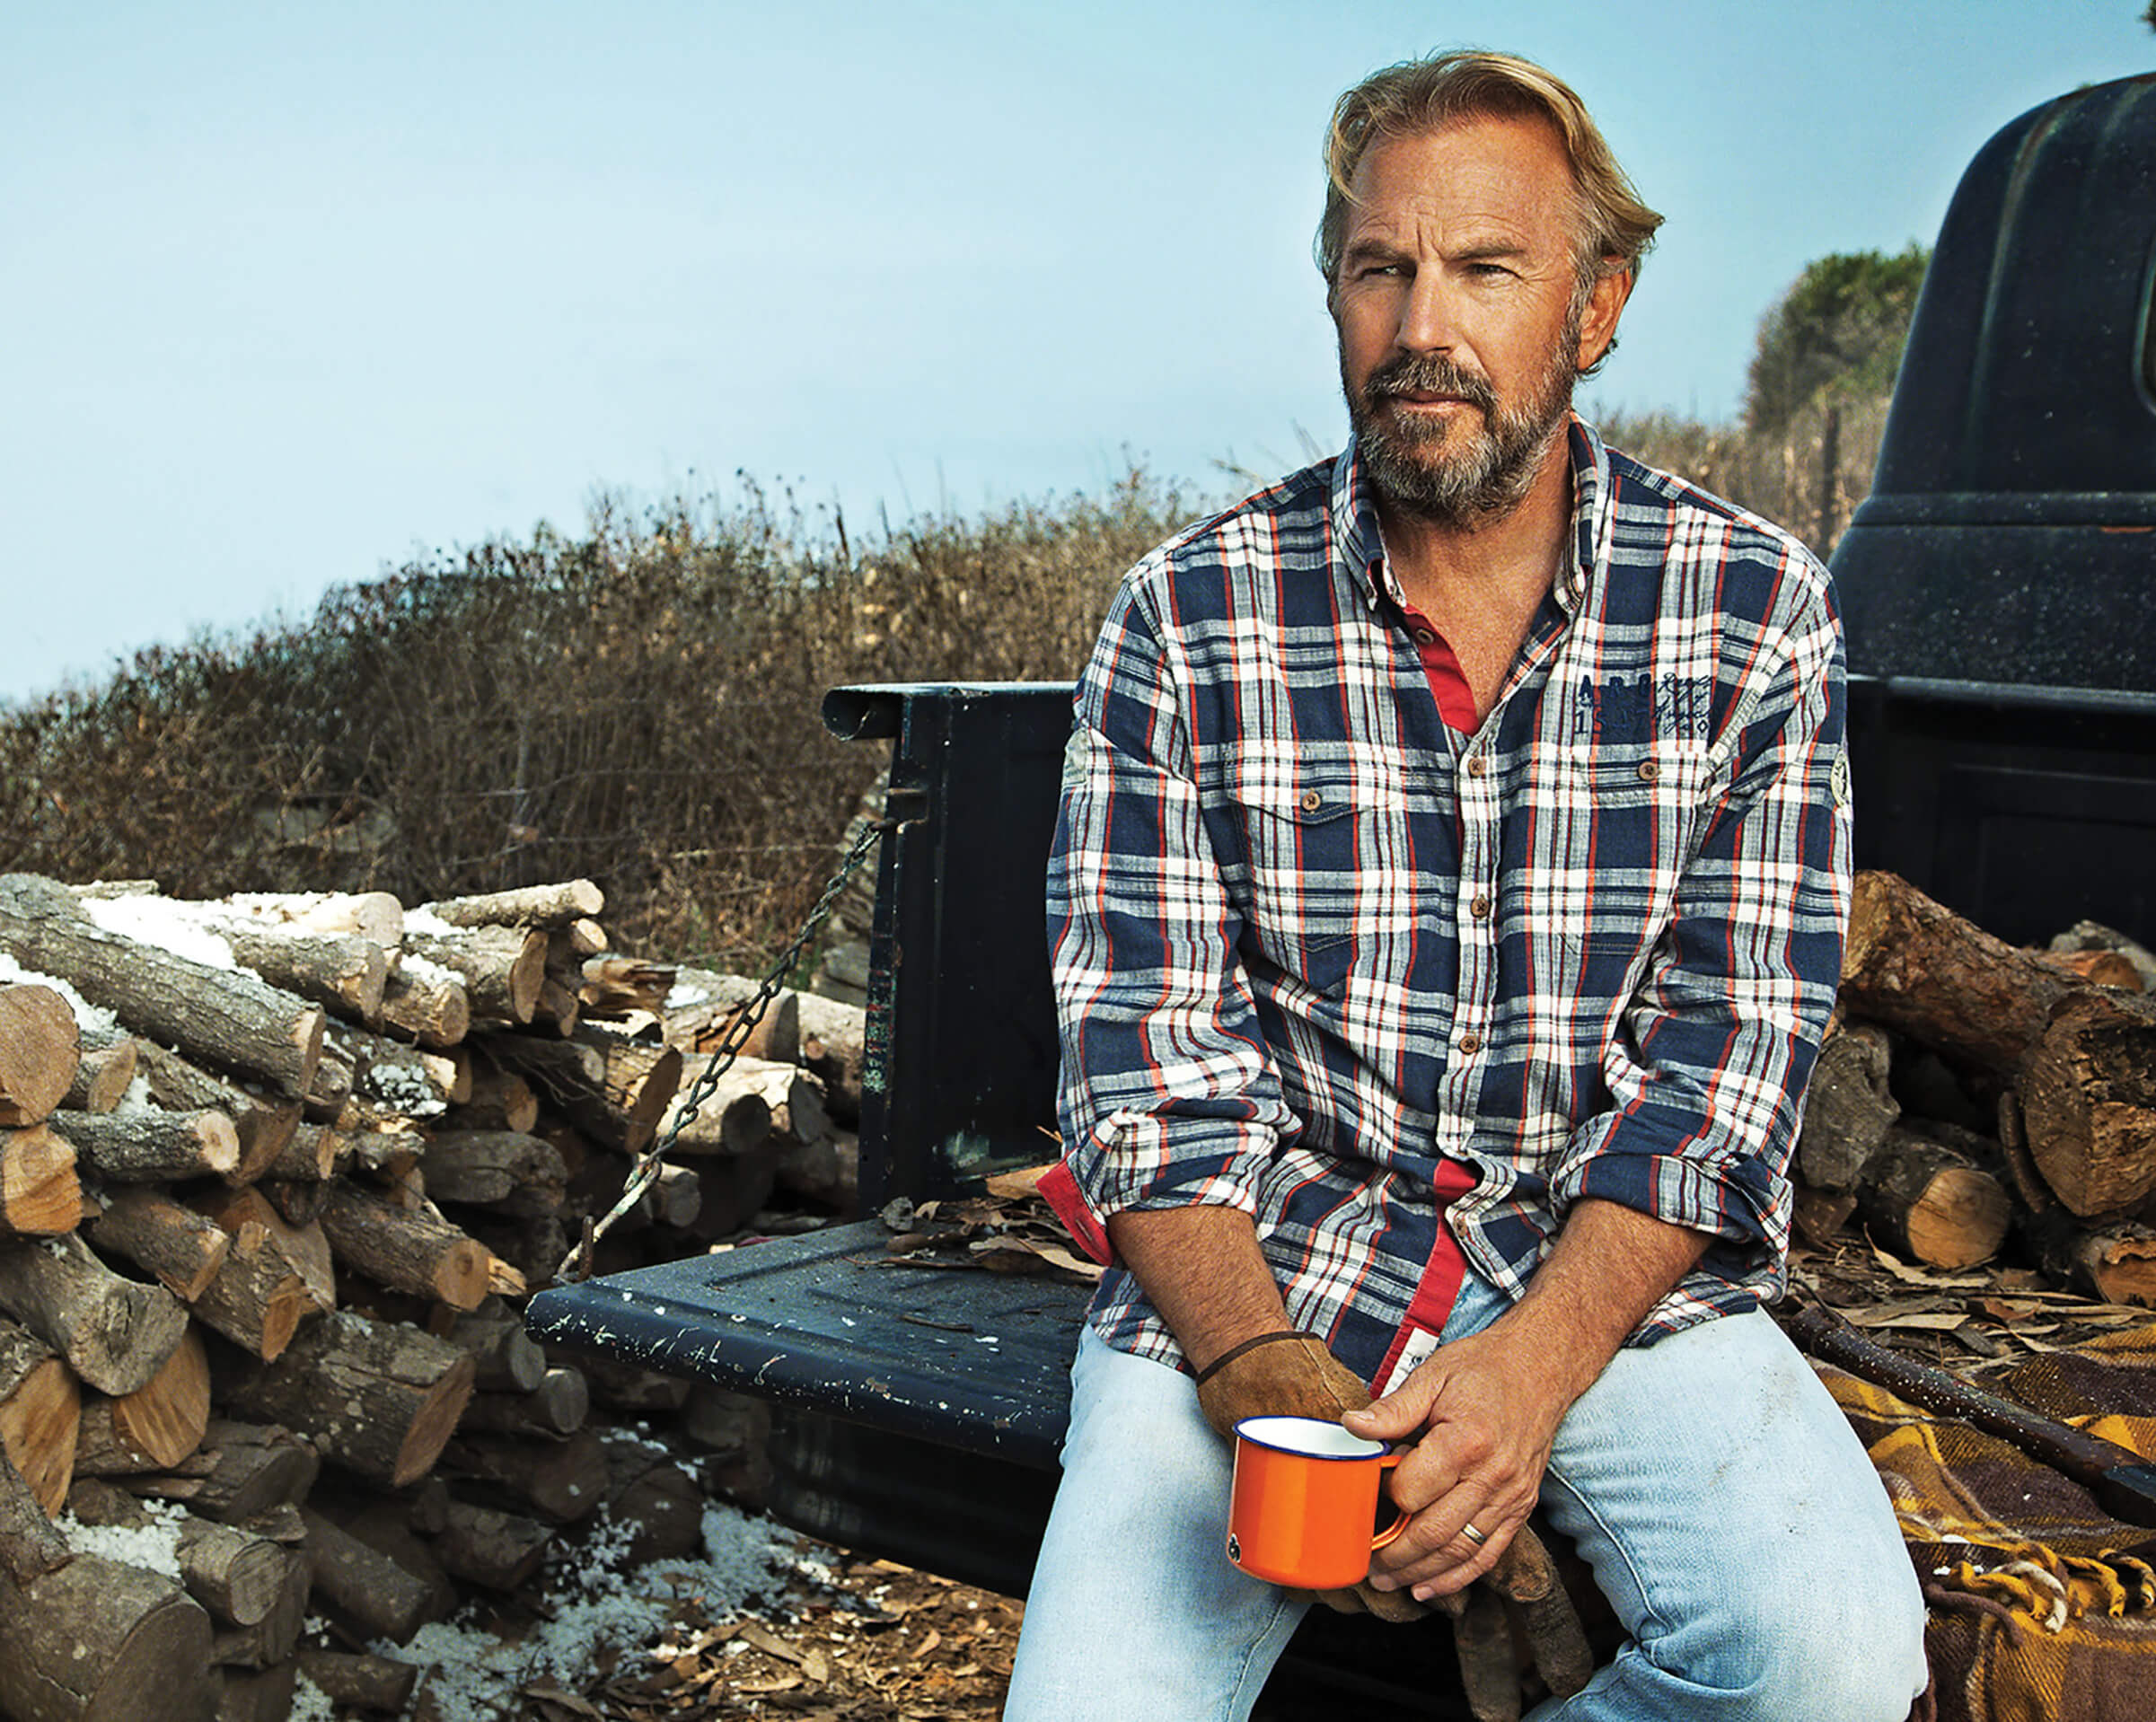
1304 1501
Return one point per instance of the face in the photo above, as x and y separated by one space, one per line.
1460 331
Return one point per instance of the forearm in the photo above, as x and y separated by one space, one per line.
1204 1272
1609 1267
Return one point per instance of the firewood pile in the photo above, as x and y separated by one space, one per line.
276 1174
1976 1103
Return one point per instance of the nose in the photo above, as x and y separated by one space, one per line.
1427 323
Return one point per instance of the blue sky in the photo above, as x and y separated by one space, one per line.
295 292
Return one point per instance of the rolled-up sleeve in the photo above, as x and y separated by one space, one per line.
1707 1077
1167 1098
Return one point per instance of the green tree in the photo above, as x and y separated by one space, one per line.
1837 333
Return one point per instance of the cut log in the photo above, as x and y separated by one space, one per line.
2087 1093
826 1172
361 1681
733 1118
534 1249
155 1426
238 1576
331 1093
2099 967
405 1248
613 1089
832 1039
502 967
311 1157
270 1642
500 1101
1931 1202
39 1047
562 1481
257 1694
265 1123
660 1503
241 1471
520 1175
103 1073
226 1019
554 905
501 1550
152 1147
30 1546
305 1248
182 1248
615 987
40 1415
98 1638
1847 1110
365 1586
115 1333
379 1398
507 1358
274 1278
2114 1262
561 1405
627 1387
1918 968
40 1195
344 973
375 916
702 1014
427 1003
558 1004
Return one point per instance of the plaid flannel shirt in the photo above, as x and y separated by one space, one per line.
1315 954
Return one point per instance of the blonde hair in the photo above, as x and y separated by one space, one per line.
1613 228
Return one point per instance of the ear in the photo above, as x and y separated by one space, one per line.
1598 322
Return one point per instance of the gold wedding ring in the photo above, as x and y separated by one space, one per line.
1474 1536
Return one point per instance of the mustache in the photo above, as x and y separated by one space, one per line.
1429 373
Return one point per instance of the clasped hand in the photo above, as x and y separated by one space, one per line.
1481 1420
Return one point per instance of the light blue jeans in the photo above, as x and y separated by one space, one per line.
1728 1512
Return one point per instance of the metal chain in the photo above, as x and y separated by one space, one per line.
577 1264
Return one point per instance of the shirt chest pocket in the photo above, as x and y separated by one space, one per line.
1315 874
1603 843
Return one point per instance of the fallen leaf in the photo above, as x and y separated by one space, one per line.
925 1645
1928 1320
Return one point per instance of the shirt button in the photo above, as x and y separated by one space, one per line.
1312 801
1471 1042
1480 909
1650 772
1425 637
1478 765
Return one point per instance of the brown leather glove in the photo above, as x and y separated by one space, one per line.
1293 1375
1519 1604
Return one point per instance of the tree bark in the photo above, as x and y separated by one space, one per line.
100 1640
2087 1093
1847 1110
427 1003
502 967
115 1333
507 1358
155 1426
152 1147
226 1019
264 1123
521 1175
553 905
501 1550
613 1089
30 1547
374 915
561 1405
238 1576
240 1472
500 1101
344 973
361 1681
407 1249
1918 968
380 1398
40 1415
102 1073
562 1481
2114 1261
617 986
184 1249
39 1194
364 1585
39 1047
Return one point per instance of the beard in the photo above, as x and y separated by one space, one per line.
1458 474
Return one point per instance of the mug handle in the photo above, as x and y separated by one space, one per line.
1399 1523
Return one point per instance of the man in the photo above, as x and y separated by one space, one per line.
1446 905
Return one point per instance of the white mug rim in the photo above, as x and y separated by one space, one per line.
1308 1438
